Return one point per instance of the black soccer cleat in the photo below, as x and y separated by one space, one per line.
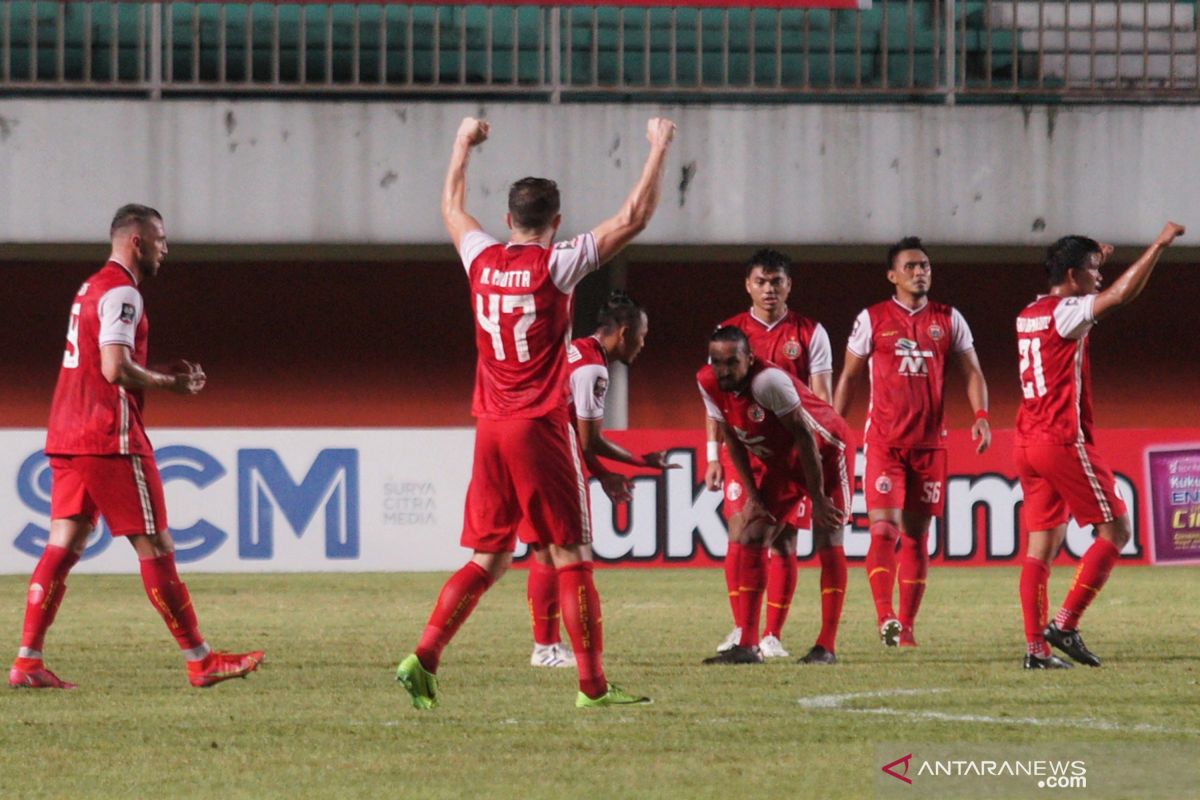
1049 662
818 655
737 655
1071 643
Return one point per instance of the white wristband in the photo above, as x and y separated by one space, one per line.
714 451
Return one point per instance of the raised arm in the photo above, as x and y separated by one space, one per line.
471 132
977 395
615 233
1133 280
852 372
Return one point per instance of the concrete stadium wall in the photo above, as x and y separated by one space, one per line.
391 344
264 172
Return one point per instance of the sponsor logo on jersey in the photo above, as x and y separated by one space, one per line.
889 333
127 312
935 331
791 348
733 490
912 360
883 484
573 354
756 413
83 289
569 244
600 388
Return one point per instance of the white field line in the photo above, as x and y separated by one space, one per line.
836 702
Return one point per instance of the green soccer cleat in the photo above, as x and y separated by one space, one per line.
419 682
615 696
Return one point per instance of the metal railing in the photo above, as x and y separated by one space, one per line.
936 49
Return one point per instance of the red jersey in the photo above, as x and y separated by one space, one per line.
587 364
907 351
753 414
1056 373
521 295
795 344
89 415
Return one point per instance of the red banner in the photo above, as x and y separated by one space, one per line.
674 521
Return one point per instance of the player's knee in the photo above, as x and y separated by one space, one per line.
886 530
1118 532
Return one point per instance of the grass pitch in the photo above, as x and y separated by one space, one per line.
324 718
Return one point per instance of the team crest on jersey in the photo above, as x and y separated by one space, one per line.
127 312
883 484
756 413
600 388
791 348
935 331
733 490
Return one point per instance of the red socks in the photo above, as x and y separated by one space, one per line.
914 568
781 586
170 598
731 577
541 591
752 582
580 604
455 603
47 586
881 567
833 593
1034 576
1090 578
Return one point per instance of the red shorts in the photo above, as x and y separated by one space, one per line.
735 494
782 487
1057 478
908 478
527 480
125 489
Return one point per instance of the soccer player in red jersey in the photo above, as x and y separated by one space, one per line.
799 346
101 461
620 334
802 444
906 341
1060 470
527 479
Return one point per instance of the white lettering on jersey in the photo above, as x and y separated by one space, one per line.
912 361
753 443
516 278
1033 324
71 353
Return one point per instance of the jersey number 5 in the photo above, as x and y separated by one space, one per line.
488 311
71 353
1031 355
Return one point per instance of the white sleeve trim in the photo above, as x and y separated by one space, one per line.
961 339
472 244
710 406
774 390
573 260
587 391
859 343
1075 316
820 353
120 311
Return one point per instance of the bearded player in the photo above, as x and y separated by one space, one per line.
1060 470
799 346
101 461
527 476
905 341
620 334
801 443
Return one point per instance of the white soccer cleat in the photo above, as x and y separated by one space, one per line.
552 655
771 647
730 641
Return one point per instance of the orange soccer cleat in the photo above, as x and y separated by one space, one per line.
29 673
220 666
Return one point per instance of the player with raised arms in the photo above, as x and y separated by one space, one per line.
621 328
773 416
101 461
527 477
1060 470
905 342
798 345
